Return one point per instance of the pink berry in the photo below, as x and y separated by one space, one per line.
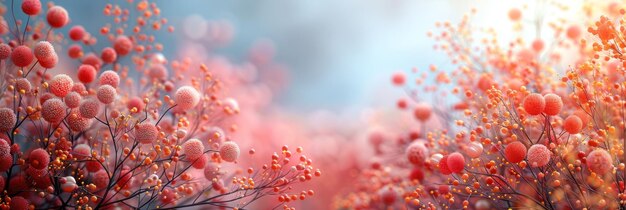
39 158
77 122
200 162
53 110
168 86
89 108
5 51
79 88
7 120
4 29
93 60
57 17
573 124
100 179
108 55
229 151
157 72
193 149
538 155
31 7
50 63
186 97
72 99
398 79
106 94
77 33
230 104
81 151
216 134
44 97
44 51
416 153
109 78
114 114
456 162
599 161
5 148
584 116
554 104
61 85
122 45
211 171
474 149
217 184
135 102
534 104
75 51
22 56
22 84
146 133
515 152
86 74
422 111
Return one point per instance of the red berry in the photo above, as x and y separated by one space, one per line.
77 33
86 73
599 161
39 158
573 124
456 162
22 56
31 7
122 45
515 152
554 104
57 17
534 104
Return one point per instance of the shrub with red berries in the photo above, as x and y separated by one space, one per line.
121 126
527 122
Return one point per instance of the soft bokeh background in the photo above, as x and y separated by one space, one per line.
339 54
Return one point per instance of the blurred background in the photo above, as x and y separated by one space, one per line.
337 54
